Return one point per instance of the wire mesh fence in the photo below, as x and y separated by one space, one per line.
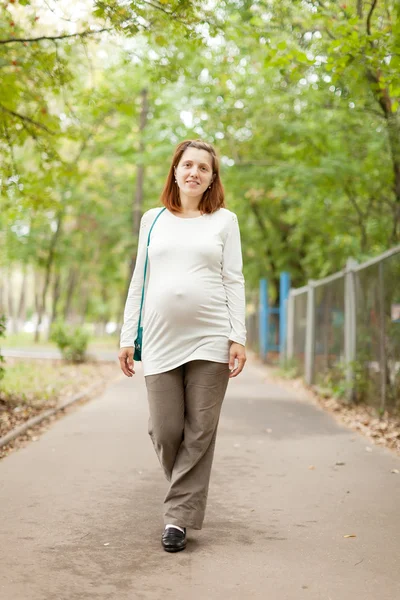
344 331
299 322
252 326
329 327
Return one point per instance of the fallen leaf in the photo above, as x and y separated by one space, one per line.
311 467
349 535
393 435
395 471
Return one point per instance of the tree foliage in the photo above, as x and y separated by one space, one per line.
301 99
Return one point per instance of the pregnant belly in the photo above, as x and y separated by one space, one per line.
182 303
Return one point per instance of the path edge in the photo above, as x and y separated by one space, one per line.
17 431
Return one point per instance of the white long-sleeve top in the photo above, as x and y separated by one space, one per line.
194 295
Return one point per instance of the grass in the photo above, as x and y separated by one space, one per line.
30 387
26 340
38 383
41 383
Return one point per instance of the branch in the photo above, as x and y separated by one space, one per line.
158 7
329 33
373 5
55 37
27 119
381 95
7 136
171 14
62 18
263 229
361 216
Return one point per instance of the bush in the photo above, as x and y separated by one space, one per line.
289 368
71 343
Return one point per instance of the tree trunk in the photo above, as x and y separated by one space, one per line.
48 267
84 304
37 287
2 295
137 207
21 311
10 301
382 96
55 299
138 201
106 317
393 129
71 285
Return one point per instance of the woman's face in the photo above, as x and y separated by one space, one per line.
194 172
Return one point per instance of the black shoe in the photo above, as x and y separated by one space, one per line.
173 540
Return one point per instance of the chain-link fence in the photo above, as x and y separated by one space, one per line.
344 331
253 324
297 322
252 327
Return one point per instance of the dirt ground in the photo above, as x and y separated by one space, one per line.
71 380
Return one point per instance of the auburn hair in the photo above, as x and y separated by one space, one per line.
213 198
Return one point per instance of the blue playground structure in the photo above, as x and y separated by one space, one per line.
272 322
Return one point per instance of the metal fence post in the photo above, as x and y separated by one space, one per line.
350 324
284 287
290 326
382 343
310 334
263 319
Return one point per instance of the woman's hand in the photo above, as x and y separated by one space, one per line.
236 351
126 360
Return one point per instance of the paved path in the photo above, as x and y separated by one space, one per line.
81 507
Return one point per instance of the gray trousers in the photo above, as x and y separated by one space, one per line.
185 405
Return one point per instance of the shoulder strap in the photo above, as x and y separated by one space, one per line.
151 228
145 265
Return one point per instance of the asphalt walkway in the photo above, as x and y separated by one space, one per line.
81 507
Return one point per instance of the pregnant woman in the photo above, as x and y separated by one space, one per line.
194 331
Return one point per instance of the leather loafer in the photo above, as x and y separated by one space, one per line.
173 540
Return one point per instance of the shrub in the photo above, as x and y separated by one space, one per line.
71 342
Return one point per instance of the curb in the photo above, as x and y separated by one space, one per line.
14 433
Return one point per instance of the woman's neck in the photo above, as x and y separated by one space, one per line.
190 205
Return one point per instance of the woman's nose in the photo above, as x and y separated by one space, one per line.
193 171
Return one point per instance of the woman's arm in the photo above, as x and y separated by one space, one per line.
132 305
233 281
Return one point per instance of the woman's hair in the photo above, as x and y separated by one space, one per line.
213 198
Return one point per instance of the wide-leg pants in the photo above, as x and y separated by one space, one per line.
185 405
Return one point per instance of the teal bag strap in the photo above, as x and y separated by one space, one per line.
145 266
